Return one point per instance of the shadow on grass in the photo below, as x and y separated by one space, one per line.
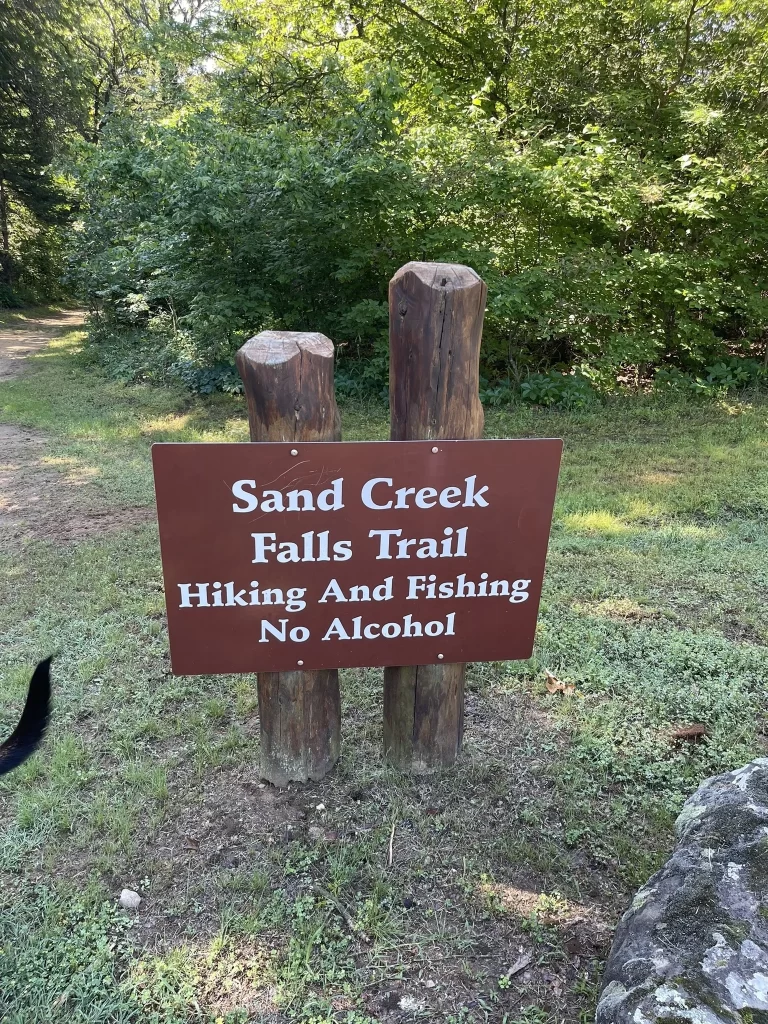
558 808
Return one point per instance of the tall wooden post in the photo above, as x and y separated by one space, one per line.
435 327
288 381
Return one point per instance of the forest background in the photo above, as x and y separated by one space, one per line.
197 171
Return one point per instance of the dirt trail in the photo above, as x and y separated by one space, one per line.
44 497
21 339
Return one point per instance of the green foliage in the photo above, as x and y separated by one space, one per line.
37 255
61 956
568 391
40 83
248 165
204 380
602 166
9 297
728 374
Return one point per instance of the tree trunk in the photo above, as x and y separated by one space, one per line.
288 381
435 326
6 275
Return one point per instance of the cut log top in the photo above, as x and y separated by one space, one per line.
288 382
270 348
440 275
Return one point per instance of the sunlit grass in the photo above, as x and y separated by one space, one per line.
653 608
594 522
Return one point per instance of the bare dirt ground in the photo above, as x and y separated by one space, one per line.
38 500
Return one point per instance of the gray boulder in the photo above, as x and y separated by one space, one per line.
693 945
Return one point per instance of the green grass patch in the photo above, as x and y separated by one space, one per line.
260 905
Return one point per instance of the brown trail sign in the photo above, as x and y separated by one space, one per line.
280 557
293 559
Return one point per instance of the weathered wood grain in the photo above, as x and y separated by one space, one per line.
288 382
300 716
435 328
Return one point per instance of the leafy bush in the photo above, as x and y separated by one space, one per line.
129 353
204 380
498 393
225 234
735 373
565 390
727 374
9 299
615 214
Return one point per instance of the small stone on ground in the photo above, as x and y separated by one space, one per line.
129 900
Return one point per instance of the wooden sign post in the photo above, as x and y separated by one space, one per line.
297 557
435 327
288 382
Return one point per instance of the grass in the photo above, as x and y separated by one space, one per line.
21 315
268 906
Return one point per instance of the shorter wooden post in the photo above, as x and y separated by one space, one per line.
288 382
435 326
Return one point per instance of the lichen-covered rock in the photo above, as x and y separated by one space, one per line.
693 946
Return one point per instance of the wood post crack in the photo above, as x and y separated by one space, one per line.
434 393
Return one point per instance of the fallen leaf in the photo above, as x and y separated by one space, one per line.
519 965
555 685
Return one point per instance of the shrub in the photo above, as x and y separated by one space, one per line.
565 390
727 374
9 299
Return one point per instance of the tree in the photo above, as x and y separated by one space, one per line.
600 162
38 92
